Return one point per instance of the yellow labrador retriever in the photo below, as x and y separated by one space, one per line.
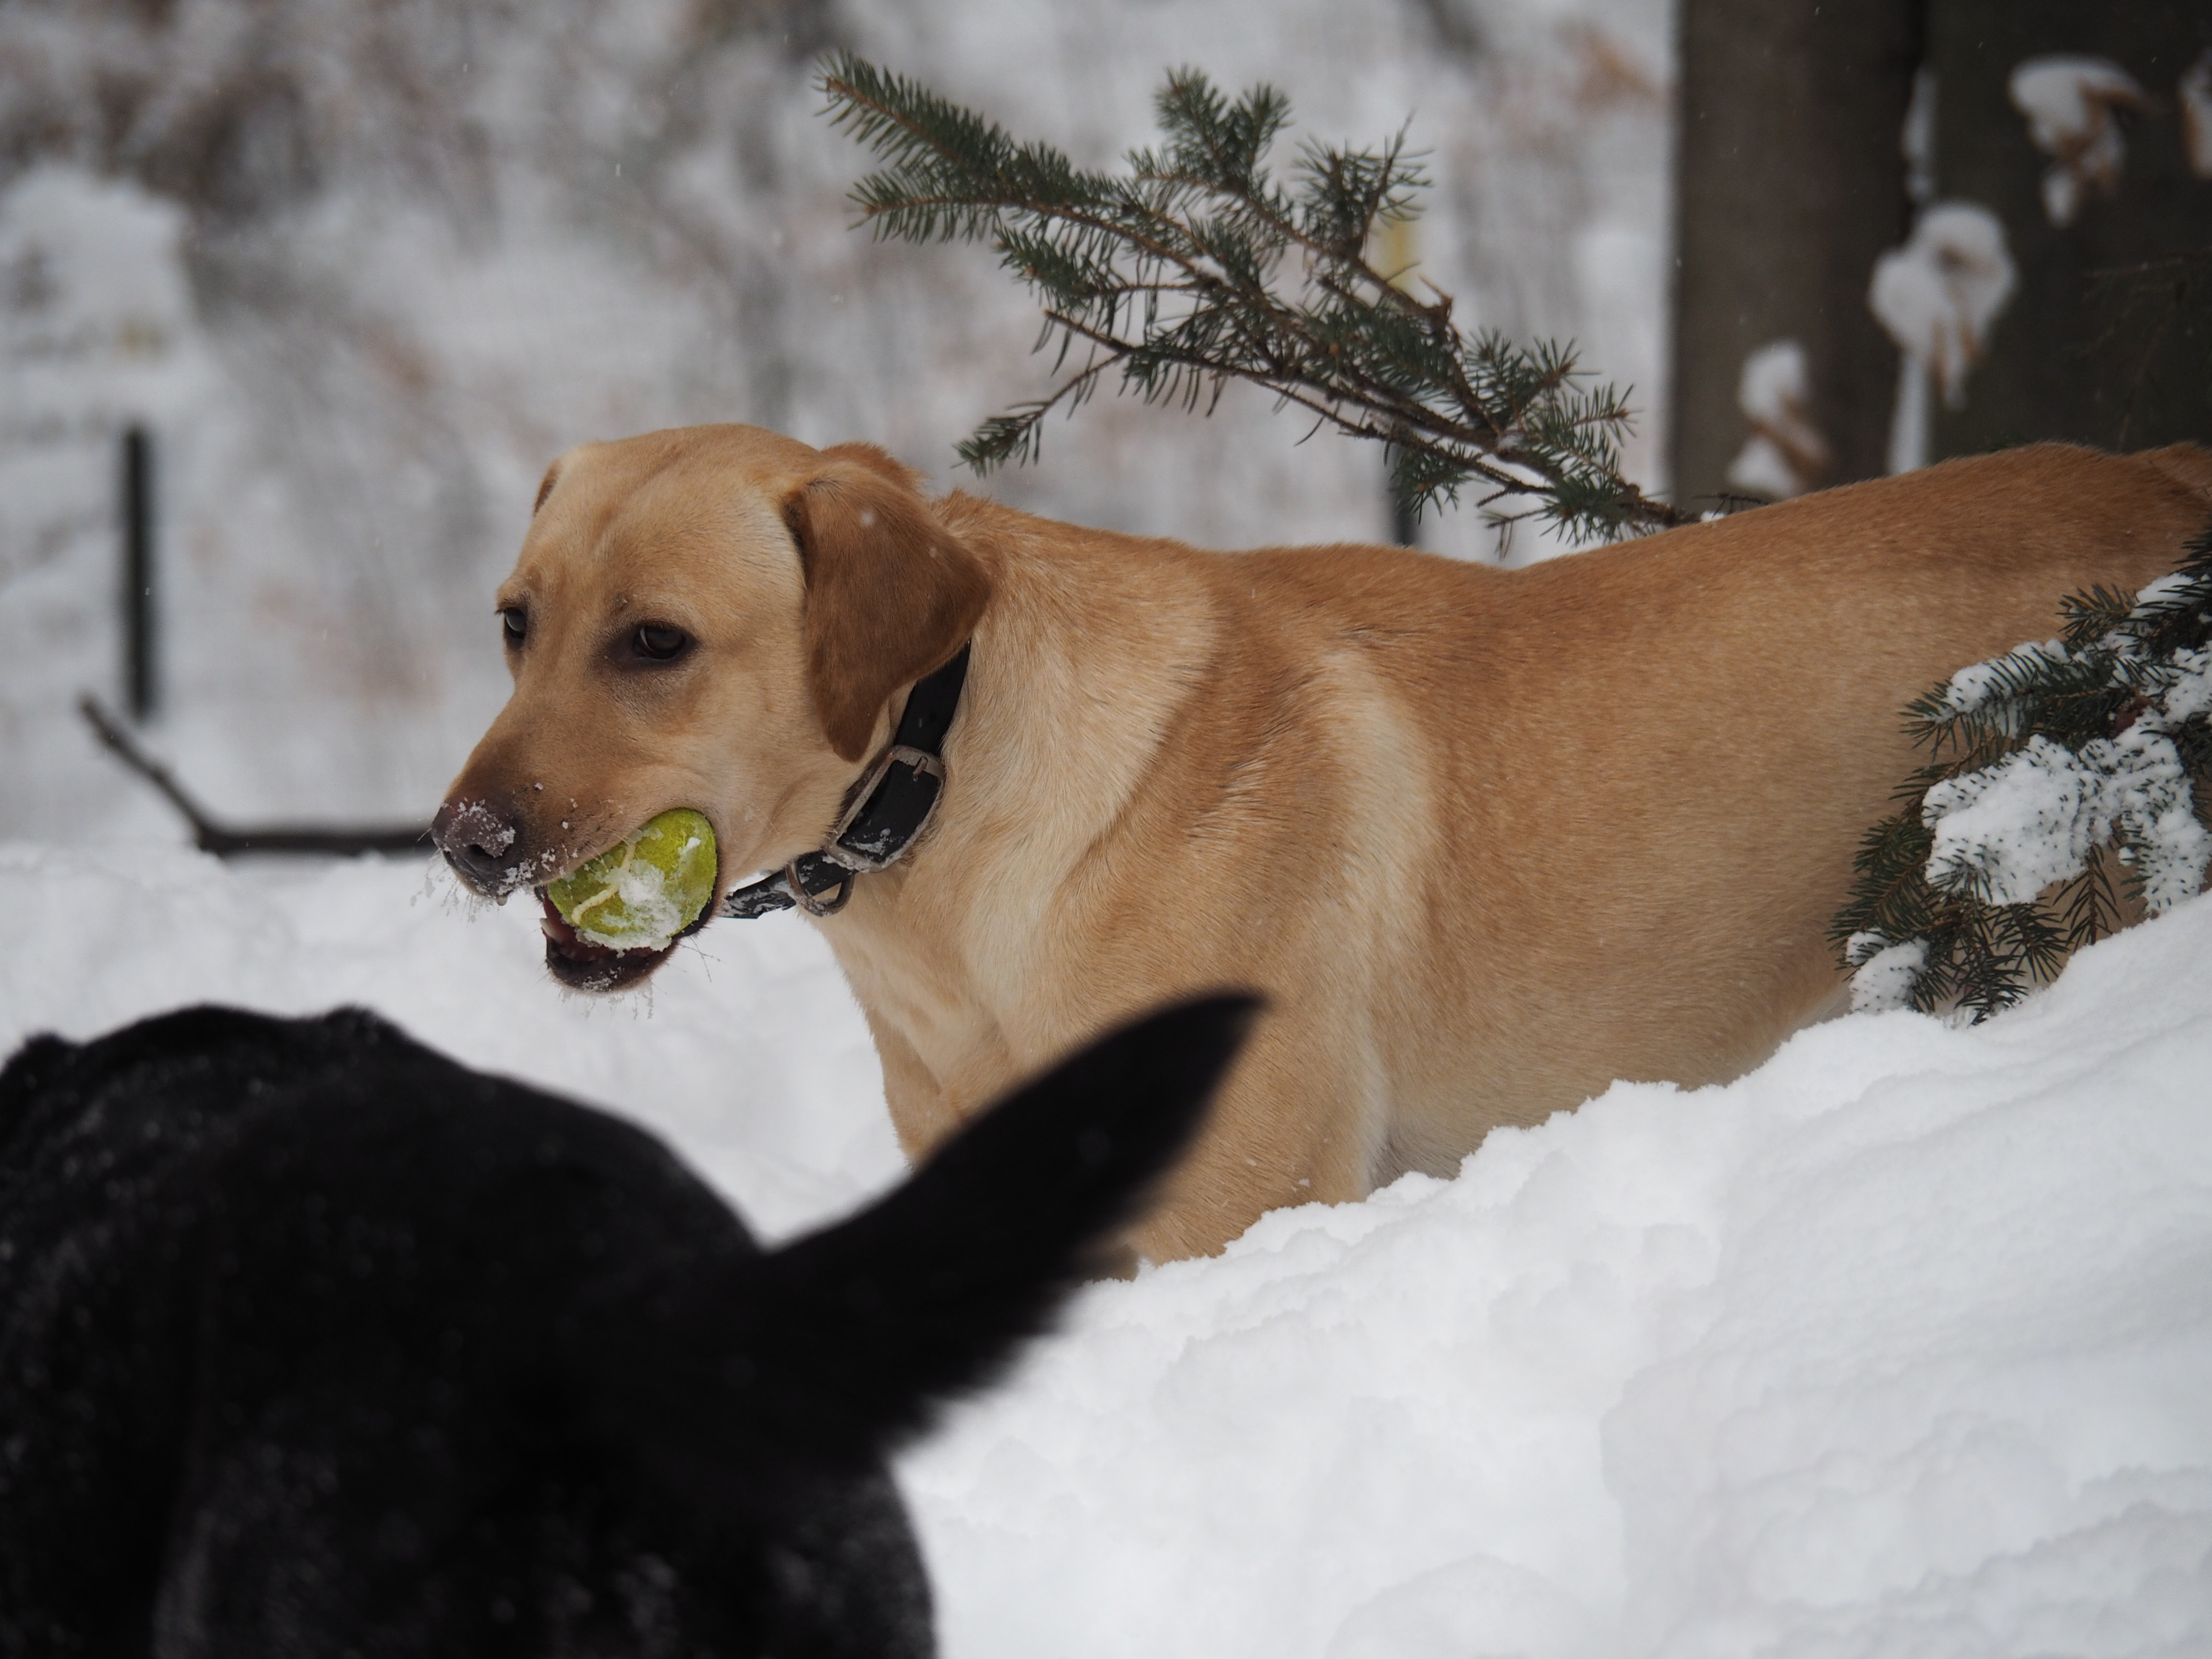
1487 840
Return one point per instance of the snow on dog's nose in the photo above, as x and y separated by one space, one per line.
478 841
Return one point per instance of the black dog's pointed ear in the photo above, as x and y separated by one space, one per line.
871 1325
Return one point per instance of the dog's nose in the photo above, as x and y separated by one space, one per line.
479 839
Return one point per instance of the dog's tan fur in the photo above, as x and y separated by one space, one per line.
1487 840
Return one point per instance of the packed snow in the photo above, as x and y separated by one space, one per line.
1899 1345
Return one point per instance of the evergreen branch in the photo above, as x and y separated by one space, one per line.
1014 435
1194 267
1148 365
2096 747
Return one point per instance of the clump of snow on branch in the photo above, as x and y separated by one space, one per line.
1887 973
1937 297
1787 454
1982 686
2013 830
2066 749
1938 294
2070 104
2189 697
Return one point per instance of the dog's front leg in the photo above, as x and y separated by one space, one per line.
922 1112
1297 1123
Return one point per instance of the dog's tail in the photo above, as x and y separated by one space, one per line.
875 1321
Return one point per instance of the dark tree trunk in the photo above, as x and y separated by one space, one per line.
2108 339
1789 182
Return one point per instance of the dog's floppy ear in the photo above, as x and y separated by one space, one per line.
890 593
861 1332
545 487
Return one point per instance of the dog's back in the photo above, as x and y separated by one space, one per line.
1667 753
1492 839
311 1341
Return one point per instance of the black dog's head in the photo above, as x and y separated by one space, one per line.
313 1341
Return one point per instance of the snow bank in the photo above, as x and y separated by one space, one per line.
746 1050
1901 1345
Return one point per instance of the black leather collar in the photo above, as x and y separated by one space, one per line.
892 805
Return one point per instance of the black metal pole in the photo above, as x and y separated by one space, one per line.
138 639
1405 527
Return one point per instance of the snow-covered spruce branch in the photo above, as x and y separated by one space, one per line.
2055 761
1196 267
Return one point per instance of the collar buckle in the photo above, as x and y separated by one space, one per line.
794 883
890 811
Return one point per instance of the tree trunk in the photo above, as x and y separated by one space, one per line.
2108 339
1789 181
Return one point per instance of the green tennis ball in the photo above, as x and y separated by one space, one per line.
641 893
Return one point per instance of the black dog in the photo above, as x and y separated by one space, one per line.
314 1342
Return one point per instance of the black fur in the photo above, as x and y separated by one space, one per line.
314 1342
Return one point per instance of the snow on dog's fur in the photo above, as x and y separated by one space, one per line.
312 1340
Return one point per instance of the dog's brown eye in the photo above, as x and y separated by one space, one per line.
658 643
514 623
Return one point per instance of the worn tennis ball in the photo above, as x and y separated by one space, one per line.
641 893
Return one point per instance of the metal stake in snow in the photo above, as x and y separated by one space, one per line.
136 515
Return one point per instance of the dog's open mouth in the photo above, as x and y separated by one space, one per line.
580 964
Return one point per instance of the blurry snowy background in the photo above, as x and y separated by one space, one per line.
363 267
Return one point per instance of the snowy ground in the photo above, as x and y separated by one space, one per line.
1901 1346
